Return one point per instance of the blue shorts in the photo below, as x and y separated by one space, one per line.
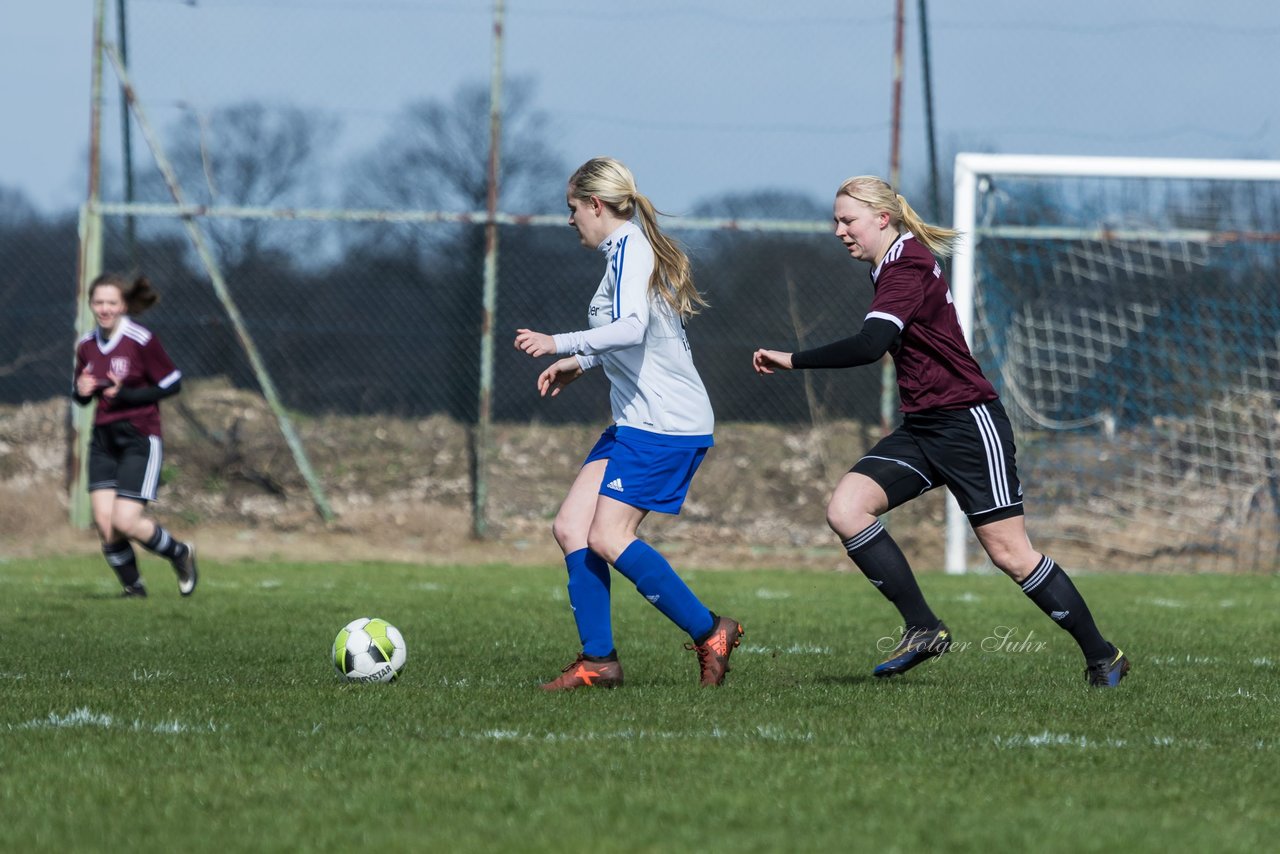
651 471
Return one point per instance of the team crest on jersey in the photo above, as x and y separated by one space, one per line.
120 366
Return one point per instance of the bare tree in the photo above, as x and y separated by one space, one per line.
435 156
764 204
15 208
248 154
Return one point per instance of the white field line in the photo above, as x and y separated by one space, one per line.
794 649
145 675
759 733
1084 742
1243 693
84 717
1262 661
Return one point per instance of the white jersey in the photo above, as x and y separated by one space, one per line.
642 345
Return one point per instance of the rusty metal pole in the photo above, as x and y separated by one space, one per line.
895 145
888 381
89 265
126 141
925 71
483 441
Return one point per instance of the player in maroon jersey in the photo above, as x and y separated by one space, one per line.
122 366
954 433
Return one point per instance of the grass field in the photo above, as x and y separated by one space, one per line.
217 723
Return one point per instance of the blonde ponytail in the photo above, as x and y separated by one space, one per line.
614 185
878 195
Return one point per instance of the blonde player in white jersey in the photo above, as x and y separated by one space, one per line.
662 425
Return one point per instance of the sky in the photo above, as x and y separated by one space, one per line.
699 98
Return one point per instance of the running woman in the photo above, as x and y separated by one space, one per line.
954 433
661 432
122 366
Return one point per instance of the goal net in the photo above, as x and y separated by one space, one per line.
1128 312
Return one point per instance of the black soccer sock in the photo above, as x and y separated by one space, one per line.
162 543
885 566
122 559
1050 588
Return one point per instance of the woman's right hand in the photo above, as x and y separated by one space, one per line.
764 361
560 374
535 343
86 384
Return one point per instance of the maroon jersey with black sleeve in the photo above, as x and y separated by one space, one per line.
134 353
935 368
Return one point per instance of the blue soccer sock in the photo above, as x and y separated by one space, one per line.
658 582
589 598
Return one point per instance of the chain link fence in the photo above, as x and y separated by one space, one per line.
349 238
356 332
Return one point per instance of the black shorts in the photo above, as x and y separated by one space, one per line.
124 459
969 451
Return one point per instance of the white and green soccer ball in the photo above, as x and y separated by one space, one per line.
369 650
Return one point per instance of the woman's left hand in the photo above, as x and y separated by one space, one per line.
560 374
112 390
535 343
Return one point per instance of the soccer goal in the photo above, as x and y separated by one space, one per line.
1128 311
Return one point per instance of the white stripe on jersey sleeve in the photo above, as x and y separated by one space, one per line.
880 315
138 333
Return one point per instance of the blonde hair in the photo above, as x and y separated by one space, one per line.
878 195
613 184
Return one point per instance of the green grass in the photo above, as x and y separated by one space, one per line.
217 723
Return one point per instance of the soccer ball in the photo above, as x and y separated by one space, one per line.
369 650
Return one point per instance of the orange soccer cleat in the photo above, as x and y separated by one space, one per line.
584 672
713 652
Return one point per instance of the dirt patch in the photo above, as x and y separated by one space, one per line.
402 489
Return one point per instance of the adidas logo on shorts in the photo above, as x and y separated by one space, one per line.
615 484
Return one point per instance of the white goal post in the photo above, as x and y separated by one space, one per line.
1125 310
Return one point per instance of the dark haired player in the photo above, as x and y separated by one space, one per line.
123 366
954 433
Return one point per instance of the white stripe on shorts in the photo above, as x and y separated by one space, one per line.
995 455
151 478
